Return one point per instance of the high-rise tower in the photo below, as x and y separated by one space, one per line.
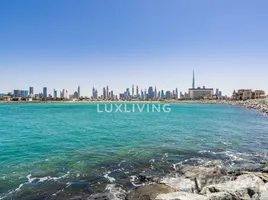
132 92
78 91
193 84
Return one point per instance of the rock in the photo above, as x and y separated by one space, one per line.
76 198
262 176
264 192
265 169
220 196
112 192
180 196
190 196
180 184
148 176
195 171
149 192
244 187
204 176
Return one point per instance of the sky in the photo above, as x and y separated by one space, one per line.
64 44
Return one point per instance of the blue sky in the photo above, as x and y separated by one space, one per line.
65 43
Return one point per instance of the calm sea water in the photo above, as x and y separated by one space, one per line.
49 148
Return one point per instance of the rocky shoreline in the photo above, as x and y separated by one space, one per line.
256 104
194 183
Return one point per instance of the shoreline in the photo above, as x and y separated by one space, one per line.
184 182
260 105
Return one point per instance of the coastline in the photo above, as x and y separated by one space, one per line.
192 182
260 105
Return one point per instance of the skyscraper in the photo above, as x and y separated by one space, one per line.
162 94
31 90
155 92
93 93
132 93
78 91
45 92
220 94
104 93
150 93
55 93
107 92
193 84
145 94
137 91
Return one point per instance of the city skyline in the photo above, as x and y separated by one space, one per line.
62 45
152 93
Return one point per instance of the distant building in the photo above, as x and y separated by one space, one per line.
181 95
155 92
162 94
16 93
3 95
244 94
31 90
193 83
55 93
45 92
168 95
94 93
137 91
127 94
132 94
21 93
78 92
220 94
107 92
122 96
150 93
104 93
217 92
75 95
200 93
145 94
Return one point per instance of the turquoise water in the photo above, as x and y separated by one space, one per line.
51 148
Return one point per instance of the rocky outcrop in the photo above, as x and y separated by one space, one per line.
189 196
180 184
246 186
203 176
206 183
194 183
149 192
264 192
257 104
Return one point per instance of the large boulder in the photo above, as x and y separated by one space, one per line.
180 184
195 171
180 196
190 196
149 192
204 176
244 187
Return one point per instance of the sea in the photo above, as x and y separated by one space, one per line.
61 150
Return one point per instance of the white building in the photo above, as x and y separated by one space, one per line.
200 93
